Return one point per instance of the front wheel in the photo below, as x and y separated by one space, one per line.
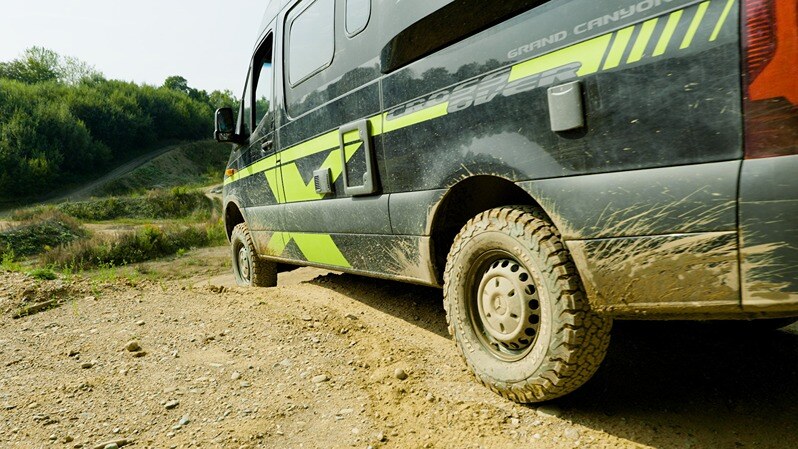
248 269
517 309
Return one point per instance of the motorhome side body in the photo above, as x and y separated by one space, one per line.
623 120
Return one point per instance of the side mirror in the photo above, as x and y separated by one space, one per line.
225 126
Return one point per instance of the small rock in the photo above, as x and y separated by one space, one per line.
87 365
572 434
68 439
139 354
133 346
307 318
235 376
111 446
90 298
549 410
33 405
381 437
320 378
430 397
537 436
184 421
53 437
171 404
140 323
72 353
350 316
515 421
400 374
244 384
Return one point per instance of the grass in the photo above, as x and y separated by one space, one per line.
43 274
179 202
39 233
146 243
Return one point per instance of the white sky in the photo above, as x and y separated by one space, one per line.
208 42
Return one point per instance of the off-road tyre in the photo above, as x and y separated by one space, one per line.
249 269
569 341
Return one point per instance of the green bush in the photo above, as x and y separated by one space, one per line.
40 233
147 243
176 203
43 274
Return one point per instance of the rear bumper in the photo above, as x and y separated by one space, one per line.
768 215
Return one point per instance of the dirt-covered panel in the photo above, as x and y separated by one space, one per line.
630 275
769 233
693 198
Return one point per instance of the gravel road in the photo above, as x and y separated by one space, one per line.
170 355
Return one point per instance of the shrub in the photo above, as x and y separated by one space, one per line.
147 243
158 204
40 232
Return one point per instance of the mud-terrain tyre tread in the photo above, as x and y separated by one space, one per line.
579 337
263 272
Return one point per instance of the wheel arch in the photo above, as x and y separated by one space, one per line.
465 200
233 216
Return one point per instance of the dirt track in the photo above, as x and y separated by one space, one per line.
312 363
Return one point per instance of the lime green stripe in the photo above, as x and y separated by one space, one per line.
699 16
667 33
641 43
588 53
318 144
276 244
618 47
272 177
439 110
724 15
319 248
257 167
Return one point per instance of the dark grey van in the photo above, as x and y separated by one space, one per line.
552 165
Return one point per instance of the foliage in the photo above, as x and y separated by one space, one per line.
39 64
40 233
8 261
178 203
43 274
157 204
147 243
61 121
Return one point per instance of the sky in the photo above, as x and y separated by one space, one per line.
207 42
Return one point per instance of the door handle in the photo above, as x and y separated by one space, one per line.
266 145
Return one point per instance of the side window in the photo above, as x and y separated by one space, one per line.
245 111
357 16
311 40
263 82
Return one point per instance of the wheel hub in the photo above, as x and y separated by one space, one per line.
243 262
508 305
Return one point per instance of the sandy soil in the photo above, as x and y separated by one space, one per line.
313 363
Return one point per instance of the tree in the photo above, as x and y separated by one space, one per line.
38 64
35 66
177 83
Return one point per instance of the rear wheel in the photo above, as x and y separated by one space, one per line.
248 268
516 307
